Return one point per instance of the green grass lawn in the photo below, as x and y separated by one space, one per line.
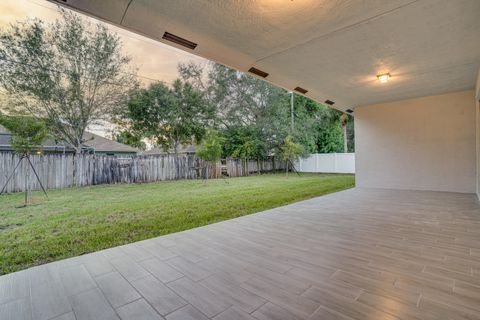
80 220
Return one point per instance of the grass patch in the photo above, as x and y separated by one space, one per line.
81 220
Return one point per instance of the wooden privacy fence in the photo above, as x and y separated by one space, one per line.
56 170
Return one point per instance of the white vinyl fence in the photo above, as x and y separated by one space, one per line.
327 163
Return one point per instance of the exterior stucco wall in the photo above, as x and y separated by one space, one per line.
426 143
477 124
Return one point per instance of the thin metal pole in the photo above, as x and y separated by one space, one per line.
291 110
36 175
11 175
344 120
27 176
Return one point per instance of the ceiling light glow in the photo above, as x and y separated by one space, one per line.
383 78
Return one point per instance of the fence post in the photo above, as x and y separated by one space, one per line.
335 159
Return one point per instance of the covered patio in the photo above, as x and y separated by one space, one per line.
356 254
403 244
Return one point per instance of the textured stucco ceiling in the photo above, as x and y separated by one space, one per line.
332 48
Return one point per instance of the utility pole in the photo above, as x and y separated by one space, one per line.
291 110
344 120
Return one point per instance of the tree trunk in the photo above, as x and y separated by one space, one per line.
74 172
286 169
77 151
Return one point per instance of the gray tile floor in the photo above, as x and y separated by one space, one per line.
356 254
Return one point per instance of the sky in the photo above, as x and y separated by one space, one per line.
154 60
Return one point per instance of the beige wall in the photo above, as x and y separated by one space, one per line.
426 143
477 123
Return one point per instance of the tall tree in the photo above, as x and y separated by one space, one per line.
168 116
308 116
329 131
251 113
255 116
70 73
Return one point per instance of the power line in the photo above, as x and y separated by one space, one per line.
123 72
62 71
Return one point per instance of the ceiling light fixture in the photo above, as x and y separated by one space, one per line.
384 77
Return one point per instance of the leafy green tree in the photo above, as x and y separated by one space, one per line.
146 112
329 131
308 115
244 142
128 138
290 152
244 102
330 138
69 72
255 117
28 134
210 149
168 116
192 113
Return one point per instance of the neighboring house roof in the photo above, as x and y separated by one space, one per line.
189 148
48 144
93 141
3 130
101 144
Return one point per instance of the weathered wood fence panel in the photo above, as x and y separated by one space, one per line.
56 170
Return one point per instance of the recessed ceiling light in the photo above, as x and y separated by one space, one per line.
384 77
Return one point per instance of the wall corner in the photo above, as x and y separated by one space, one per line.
477 132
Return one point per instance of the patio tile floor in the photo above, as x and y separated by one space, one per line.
356 254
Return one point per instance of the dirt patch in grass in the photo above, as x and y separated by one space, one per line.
5 227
